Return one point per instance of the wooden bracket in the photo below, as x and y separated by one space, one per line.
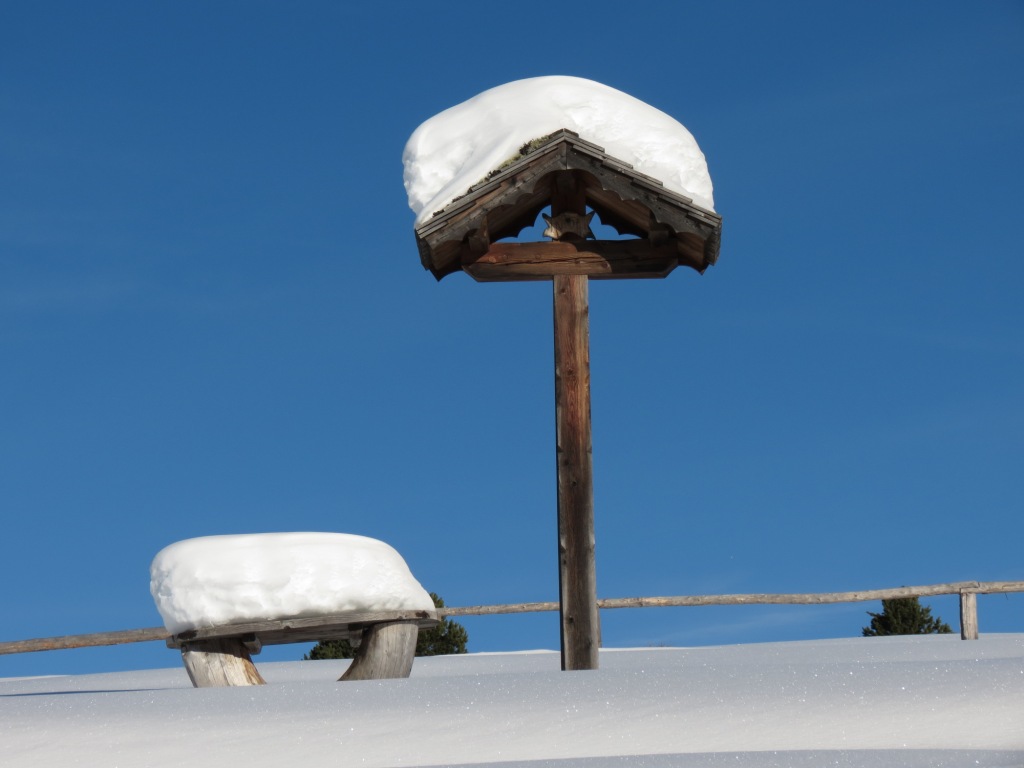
568 226
479 240
252 644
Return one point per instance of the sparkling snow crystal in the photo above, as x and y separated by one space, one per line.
456 149
218 580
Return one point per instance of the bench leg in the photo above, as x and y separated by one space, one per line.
386 651
214 663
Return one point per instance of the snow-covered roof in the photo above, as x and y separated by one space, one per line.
459 147
566 172
217 580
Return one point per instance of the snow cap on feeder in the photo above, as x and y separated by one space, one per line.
218 580
484 170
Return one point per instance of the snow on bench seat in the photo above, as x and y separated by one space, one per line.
224 597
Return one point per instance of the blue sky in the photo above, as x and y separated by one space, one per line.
213 318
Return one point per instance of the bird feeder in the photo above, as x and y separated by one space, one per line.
665 229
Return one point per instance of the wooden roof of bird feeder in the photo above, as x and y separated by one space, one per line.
570 174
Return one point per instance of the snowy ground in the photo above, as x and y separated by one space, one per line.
907 701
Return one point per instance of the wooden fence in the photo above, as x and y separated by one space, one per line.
967 590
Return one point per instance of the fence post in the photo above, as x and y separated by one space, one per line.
968 615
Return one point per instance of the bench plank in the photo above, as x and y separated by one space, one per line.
343 626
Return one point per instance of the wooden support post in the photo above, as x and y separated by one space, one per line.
577 575
219 662
577 580
968 615
386 652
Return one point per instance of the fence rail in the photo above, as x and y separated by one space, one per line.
967 590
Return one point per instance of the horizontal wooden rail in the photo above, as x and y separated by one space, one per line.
956 588
85 641
968 591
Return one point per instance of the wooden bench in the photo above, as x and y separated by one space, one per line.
222 655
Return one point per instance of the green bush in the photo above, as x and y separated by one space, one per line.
905 616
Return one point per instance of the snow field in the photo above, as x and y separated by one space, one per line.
907 701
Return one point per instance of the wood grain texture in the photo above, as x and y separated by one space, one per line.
502 205
598 259
91 640
819 598
343 626
220 662
577 569
968 615
386 652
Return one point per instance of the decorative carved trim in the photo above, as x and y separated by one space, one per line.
503 205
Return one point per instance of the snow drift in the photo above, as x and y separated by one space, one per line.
931 701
